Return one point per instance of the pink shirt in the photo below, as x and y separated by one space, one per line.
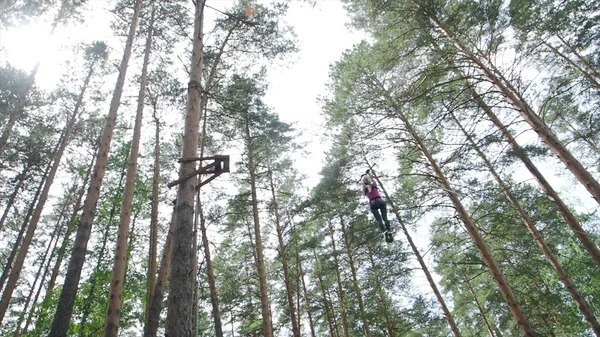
373 195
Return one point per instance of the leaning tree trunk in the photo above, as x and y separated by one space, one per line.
284 264
180 292
361 305
22 177
39 274
11 257
503 286
527 113
111 325
415 250
43 196
151 327
582 305
64 310
479 307
589 67
570 219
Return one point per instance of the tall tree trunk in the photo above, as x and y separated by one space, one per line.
179 310
357 290
22 177
503 286
570 219
340 290
205 243
284 264
39 274
152 253
415 250
479 307
330 323
582 305
151 327
111 325
64 309
527 114
70 227
260 263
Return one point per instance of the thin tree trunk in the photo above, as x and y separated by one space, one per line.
544 184
260 264
527 113
22 178
151 327
382 297
18 110
479 307
180 294
572 63
284 264
57 228
19 253
582 305
64 310
15 249
503 287
111 325
330 323
415 250
341 293
152 254
582 59
311 324
59 151
361 305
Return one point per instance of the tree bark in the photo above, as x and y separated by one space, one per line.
306 300
180 292
64 308
527 113
503 286
582 305
111 325
382 297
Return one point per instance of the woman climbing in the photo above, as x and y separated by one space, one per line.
377 205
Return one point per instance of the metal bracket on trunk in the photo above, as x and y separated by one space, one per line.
219 166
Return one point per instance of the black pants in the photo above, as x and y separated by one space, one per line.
380 206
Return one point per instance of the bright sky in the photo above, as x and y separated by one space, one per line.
293 89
